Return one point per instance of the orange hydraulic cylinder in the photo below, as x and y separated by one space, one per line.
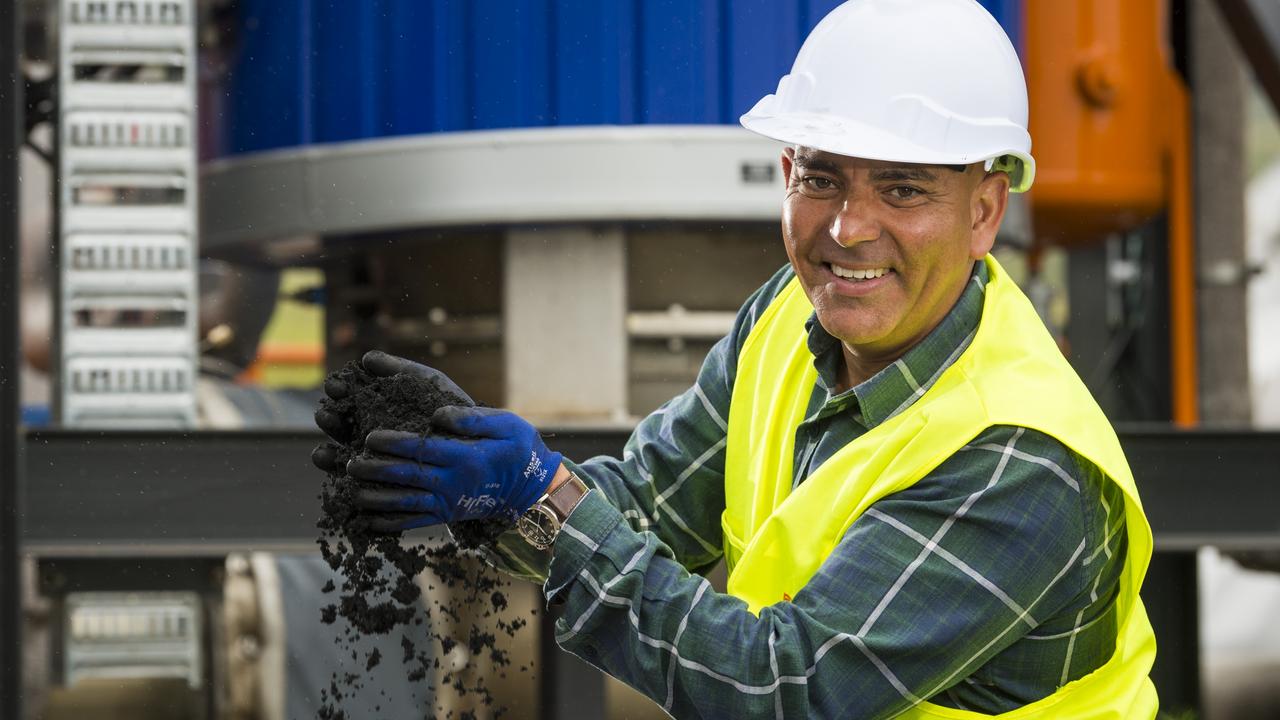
1095 74
1110 125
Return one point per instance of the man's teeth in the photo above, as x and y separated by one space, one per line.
858 274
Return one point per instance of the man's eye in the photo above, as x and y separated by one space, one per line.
817 184
905 192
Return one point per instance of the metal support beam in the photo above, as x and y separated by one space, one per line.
1256 25
11 135
190 494
1217 108
1171 596
128 494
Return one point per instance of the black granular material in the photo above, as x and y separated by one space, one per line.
379 592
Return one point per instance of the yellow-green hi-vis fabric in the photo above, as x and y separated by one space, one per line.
1011 374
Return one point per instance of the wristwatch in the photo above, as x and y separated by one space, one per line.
540 524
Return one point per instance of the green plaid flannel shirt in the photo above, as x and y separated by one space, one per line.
985 586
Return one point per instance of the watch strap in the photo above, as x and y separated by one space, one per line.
566 497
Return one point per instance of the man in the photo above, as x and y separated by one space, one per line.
923 511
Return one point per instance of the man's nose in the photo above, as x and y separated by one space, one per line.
854 223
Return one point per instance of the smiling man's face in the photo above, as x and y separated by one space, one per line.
884 249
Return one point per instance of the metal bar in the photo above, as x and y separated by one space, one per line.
1256 26
152 493
1171 595
1207 487
198 493
1217 80
11 135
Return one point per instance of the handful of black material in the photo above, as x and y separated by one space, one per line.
380 591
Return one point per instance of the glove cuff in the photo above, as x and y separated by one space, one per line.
538 475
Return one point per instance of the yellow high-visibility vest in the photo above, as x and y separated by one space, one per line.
775 538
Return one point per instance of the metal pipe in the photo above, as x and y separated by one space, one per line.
1184 360
11 134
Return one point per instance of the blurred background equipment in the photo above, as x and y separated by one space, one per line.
396 174
114 635
127 249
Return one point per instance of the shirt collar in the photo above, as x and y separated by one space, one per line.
897 386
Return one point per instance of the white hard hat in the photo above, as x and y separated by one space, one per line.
917 81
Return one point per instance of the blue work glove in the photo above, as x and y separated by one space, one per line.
486 463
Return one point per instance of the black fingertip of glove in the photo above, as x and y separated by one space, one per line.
381 364
335 388
379 498
366 467
325 457
391 523
449 418
447 414
444 419
333 425
370 498
353 462
384 441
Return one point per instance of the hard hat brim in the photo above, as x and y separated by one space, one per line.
849 137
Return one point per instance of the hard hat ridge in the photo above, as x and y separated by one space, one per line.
919 81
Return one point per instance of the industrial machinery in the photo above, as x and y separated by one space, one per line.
127 213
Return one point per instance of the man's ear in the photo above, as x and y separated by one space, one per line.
788 161
990 200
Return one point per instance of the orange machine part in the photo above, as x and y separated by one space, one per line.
1111 129
1095 73
1184 354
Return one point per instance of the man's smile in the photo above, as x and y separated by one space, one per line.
856 280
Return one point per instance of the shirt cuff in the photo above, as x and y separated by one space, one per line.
585 530
513 555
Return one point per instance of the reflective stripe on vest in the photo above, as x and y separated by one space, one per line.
1011 374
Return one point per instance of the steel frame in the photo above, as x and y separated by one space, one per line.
12 132
159 493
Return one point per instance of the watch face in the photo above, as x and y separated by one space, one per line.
539 526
